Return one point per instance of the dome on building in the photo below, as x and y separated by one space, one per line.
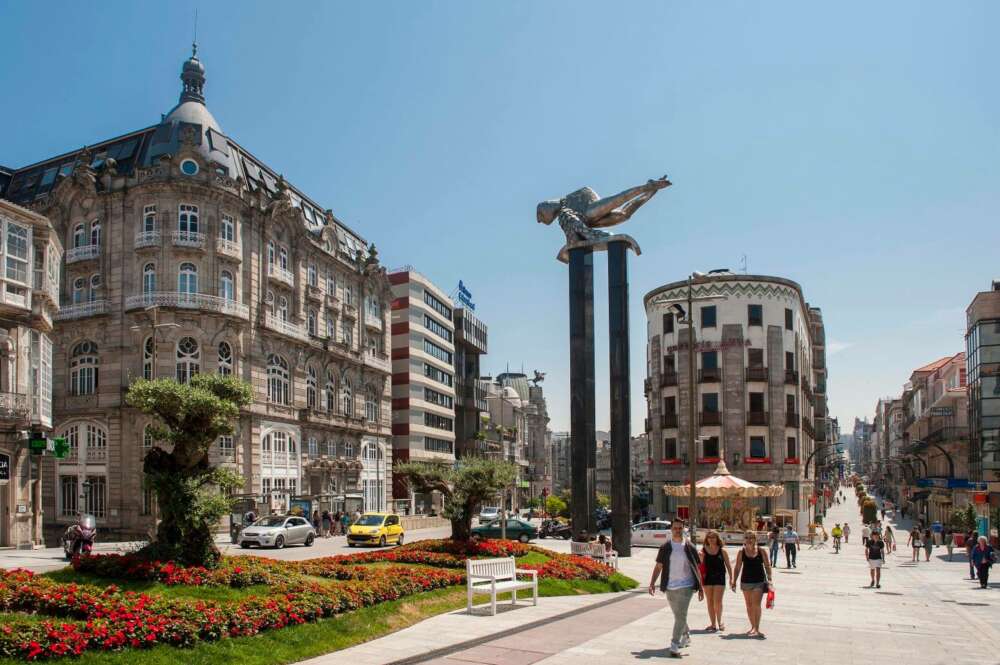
511 396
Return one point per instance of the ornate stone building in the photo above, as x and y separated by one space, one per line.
187 254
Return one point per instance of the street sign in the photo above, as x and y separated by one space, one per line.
37 443
942 411
60 447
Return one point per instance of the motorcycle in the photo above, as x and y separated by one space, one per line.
79 538
554 529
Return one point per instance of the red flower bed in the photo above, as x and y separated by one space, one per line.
569 567
235 572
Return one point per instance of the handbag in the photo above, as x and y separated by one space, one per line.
703 571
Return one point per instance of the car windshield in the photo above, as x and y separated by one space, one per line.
370 520
275 520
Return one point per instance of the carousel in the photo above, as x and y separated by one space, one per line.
726 502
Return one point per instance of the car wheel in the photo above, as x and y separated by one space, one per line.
309 540
381 541
523 538
400 541
245 545
350 544
279 542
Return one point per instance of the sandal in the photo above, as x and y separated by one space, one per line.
710 629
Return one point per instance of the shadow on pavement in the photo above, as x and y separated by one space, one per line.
646 654
738 636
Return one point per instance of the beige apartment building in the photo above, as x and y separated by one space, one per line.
187 254
423 382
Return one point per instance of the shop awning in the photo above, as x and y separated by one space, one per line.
920 495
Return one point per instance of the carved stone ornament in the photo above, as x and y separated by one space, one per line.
188 135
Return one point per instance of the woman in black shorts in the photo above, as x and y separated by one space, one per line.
716 565
754 570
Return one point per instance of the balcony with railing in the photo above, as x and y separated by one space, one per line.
372 321
819 360
791 377
668 379
83 253
184 300
807 427
228 248
709 375
756 418
668 420
96 454
284 327
792 420
820 388
757 374
188 239
947 435
84 309
379 360
279 274
14 406
710 418
144 239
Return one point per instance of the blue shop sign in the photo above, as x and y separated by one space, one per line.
952 484
465 296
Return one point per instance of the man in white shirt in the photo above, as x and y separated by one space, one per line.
866 533
678 561
791 540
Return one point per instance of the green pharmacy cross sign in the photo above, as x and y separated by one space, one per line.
37 443
60 447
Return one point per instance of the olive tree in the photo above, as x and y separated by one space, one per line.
190 492
465 487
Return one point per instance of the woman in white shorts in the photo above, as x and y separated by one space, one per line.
875 553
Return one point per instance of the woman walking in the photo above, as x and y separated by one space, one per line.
875 554
754 572
949 542
970 542
326 523
914 541
889 538
928 544
847 533
982 557
715 563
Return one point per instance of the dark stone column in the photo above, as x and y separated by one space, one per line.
582 388
618 351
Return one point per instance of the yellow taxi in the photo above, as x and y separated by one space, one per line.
375 529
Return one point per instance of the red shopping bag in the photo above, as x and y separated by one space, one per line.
770 599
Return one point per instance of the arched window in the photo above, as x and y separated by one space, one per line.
331 391
277 380
83 365
312 275
313 447
187 219
348 449
79 235
79 290
311 387
97 443
149 278
371 405
331 447
147 358
95 232
311 323
188 359
270 252
149 219
348 398
283 258
187 278
227 288
283 308
225 359
95 287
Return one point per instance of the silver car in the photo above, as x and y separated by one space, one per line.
651 534
277 531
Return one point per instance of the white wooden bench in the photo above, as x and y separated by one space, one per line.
495 576
595 551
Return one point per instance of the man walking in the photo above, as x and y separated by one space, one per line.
774 543
866 533
678 562
791 538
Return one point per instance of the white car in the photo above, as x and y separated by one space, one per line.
277 531
488 514
650 534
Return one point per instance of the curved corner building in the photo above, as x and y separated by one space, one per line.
759 388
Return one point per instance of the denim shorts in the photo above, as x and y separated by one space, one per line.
752 586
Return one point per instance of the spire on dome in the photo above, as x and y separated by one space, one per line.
193 76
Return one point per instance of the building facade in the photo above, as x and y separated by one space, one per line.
186 254
757 375
29 301
561 455
471 337
982 340
423 382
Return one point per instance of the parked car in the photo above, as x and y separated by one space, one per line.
516 530
488 514
277 531
650 534
375 528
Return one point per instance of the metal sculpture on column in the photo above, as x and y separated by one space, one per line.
581 214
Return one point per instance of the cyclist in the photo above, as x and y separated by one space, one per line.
837 533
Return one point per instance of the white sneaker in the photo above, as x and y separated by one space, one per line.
675 651
686 640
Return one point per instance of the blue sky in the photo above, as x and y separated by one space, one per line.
849 146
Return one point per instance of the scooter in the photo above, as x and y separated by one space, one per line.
79 538
554 529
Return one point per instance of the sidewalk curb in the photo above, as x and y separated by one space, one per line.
475 642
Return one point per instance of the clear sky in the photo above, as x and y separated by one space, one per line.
852 147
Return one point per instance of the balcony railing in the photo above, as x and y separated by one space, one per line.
378 360
820 388
668 379
191 239
756 418
228 248
947 434
14 406
708 375
791 420
710 418
81 310
97 454
668 420
184 300
757 374
280 274
286 328
373 321
147 239
83 253
791 377
807 427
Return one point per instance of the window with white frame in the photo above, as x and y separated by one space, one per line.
67 496
79 290
83 367
97 443
95 494
95 287
348 394
347 332
348 294
331 326
311 387
149 278
187 218
311 323
18 243
149 219
72 436
147 358
270 252
283 258
283 308
348 449
227 287
227 447
95 233
79 235
331 391
226 365
227 229
331 447
331 283
188 359
278 391
313 447
147 437
312 275
371 405
187 278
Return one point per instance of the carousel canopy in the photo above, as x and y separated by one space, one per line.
724 485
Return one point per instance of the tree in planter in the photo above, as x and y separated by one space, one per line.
465 488
963 519
869 511
190 493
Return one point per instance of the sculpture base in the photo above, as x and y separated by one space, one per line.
599 245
